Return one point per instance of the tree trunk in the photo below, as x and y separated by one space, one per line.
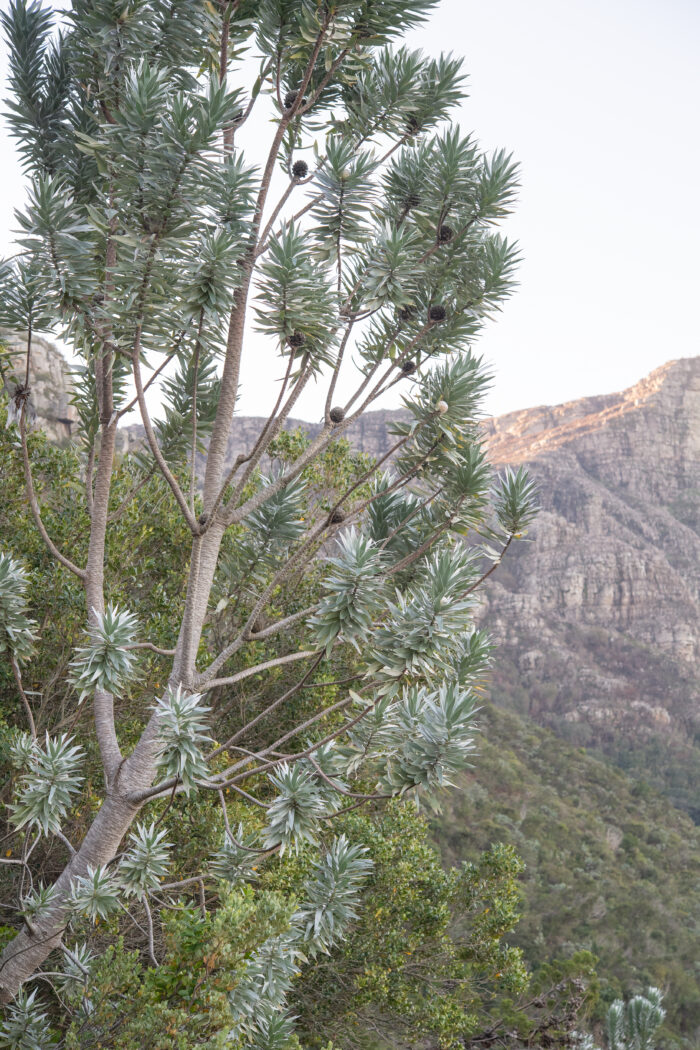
27 952
204 559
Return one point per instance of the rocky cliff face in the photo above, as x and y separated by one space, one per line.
598 615
49 389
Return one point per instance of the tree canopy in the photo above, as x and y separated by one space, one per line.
251 648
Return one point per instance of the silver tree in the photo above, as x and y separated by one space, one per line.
151 245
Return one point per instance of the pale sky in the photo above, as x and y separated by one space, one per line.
599 101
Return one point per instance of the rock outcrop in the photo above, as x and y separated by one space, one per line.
49 396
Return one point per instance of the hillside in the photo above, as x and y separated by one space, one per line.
611 865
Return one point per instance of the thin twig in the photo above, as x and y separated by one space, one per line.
153 442
153 648
18 679
268 710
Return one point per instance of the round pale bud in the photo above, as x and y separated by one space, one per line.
441 407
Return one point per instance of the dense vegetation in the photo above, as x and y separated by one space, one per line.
666 758
429 955
610 865
600 851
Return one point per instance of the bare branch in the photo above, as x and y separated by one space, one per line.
149 920
34 504
18 679
255 455
193 463
204 680
288 736
153 442
153 648
268 711
158 371
493 568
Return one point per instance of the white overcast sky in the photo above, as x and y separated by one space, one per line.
599 100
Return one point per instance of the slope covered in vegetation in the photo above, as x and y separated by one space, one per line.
611 865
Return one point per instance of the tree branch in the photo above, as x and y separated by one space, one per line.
34 505
153 442
205 680
268 711
18 679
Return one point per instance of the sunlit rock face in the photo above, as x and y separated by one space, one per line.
598 615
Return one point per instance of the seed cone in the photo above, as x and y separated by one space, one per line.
337 415
300 169
437 313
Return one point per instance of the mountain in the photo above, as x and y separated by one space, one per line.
598 616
